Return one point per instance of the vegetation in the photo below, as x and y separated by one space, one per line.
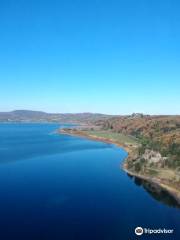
119 137
159 133
159 145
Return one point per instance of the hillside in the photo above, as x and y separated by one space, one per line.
158 154
38 116
160 133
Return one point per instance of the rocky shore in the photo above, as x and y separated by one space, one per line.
172 191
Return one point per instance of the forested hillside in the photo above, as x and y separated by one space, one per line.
159 133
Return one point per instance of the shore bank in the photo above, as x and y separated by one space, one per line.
131 150
172 191
127 147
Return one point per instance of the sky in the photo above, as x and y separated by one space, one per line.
106 56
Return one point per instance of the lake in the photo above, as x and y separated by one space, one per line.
70 188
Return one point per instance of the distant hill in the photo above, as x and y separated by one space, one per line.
39 116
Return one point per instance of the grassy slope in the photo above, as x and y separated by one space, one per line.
119 137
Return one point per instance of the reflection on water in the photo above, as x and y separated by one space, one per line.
156 192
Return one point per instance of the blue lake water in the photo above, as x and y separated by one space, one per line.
62 187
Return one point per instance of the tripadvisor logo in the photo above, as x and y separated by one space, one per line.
139 231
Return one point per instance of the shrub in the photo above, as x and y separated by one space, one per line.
137 166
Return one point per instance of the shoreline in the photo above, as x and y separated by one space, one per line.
172 191
95 138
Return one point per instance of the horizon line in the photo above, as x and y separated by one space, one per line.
129 114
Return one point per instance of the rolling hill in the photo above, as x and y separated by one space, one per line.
39 116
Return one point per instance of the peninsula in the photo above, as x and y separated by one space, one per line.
152 144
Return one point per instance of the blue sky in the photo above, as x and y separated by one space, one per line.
108 56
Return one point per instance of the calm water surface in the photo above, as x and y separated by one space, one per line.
61 187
